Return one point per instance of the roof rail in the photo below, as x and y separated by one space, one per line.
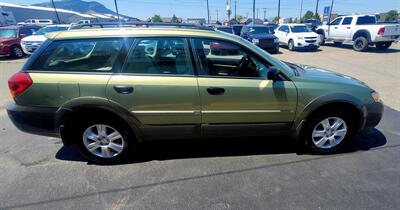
138 24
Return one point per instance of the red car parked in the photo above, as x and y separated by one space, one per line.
10 39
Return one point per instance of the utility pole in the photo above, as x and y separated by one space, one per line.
55 9
316 10
254 11
257 12
330 12
116 9
217 16
279 10
301 10
208 13
265 13
228 9
235 10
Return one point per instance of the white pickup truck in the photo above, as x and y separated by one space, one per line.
361 30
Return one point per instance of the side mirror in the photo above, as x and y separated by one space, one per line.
272 73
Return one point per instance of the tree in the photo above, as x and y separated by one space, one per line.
290 20
174 19
276 19
309 15
156 18
392 15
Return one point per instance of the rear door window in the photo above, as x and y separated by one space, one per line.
365 20
86 55
347 21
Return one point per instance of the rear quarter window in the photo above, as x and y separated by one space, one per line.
86 55
366 20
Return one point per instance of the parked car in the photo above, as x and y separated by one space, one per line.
313 24
360 30
261 36
297 36
10 39
237 28
40 22
30 43
226 29
105 91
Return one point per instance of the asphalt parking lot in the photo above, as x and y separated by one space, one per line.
263 173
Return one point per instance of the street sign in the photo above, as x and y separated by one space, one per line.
326 14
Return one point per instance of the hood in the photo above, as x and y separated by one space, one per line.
327 76
33 38
262 36
2 40
307 34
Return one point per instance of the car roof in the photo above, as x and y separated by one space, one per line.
18 27
294 24
139 31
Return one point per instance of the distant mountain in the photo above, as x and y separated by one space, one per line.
80 6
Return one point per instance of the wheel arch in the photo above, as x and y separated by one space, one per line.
93 106
338 100
364 33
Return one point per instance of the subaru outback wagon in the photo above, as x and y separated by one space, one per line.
105 90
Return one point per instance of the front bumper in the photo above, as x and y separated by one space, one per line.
372 115
307 44
35 120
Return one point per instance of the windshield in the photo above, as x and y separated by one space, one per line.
299 29
227 30
8 33
259 30
45 30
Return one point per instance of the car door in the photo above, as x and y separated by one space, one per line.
279 33
333 28
344 29
285 34
238 99
158 87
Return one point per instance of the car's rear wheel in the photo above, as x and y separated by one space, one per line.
360 44
291 45
16 52
328 132
383 45
104 141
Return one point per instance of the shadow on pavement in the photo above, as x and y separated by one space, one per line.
371 49
204 148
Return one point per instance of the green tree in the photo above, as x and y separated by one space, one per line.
392 15
276 19
174 19
309 15
156 18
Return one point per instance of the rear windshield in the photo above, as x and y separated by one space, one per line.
87 55
8 33
366 20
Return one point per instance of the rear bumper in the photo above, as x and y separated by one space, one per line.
35 120
386 38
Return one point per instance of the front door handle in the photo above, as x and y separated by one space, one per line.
123 89
335 27
348 27
215 91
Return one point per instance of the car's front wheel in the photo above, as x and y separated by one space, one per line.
104 141
328 132
16 52
291 45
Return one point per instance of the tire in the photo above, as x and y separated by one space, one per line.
16 52
383 45
360 44
104 150
315 133
291 45
275 50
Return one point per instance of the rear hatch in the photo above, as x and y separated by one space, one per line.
392 30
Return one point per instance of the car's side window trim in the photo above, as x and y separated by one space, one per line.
285 78
134 45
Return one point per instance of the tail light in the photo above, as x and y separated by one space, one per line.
381 31
18 83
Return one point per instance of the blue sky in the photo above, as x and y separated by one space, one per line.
197 8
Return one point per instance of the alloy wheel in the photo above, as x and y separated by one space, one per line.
329 132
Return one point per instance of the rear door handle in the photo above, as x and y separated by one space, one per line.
335 27
123 89
215 91
348 27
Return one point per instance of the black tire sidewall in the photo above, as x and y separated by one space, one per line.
364 41
128 149
343 114
13 54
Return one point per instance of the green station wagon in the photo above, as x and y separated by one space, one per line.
105 90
